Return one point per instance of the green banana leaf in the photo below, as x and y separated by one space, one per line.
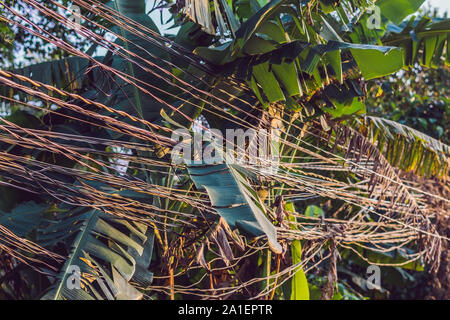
234 199
97 237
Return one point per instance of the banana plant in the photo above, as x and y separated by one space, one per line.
97 204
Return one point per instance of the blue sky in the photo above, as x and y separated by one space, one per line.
442 5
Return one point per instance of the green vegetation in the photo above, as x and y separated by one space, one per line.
354 105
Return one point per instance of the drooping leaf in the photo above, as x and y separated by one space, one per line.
408 143
199 11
